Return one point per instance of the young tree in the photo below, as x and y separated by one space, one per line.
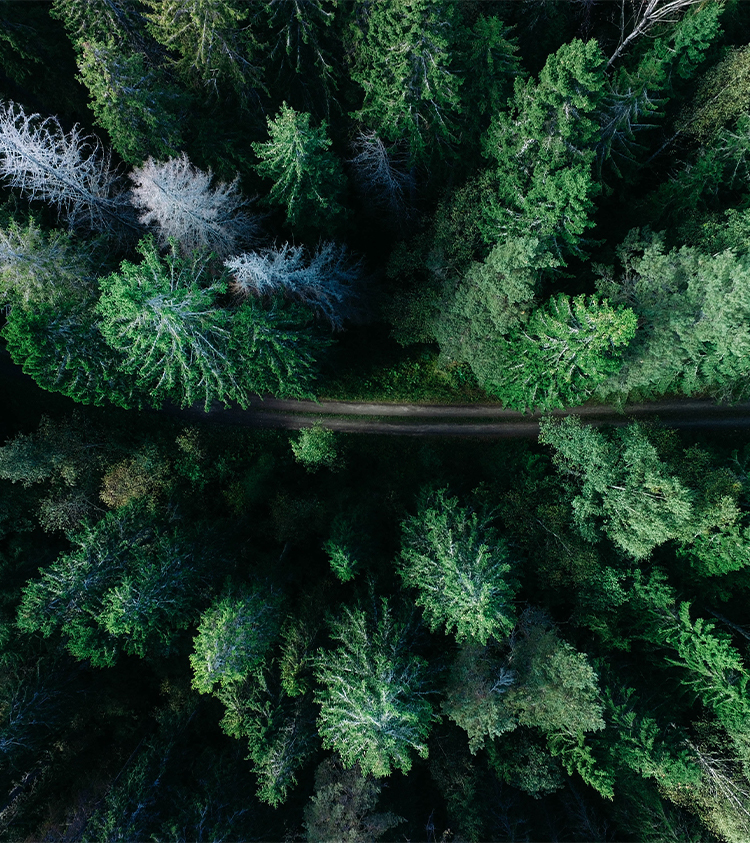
307 178
316 447
133 102
543 147
71 171
459 566
372 692
566 350
403 63
325 281
213 44
177 199
628 491
233 637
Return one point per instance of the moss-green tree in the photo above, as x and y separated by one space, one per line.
403 62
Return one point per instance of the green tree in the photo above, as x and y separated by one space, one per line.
127 586
212 43
62 348
628 491
134 103
559 357
542 151
403 62
307 178
459 567
491 298
374 711
693 319
161 316
43 267
233 637
316 447
343 806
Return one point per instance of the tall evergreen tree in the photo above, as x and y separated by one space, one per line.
542 150
307 178
403 62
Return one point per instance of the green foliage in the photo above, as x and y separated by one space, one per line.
134 103
374 711
161 316
42 267
63 350
307 178
403 62
342 807
474 699
274 350
347 545
628 491
316 447
233 637
567 349
491 299
542 151
127 586
211 47
459 566
692 310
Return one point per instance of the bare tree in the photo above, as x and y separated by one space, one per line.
178 200
644 16
324 281
376 168
71 171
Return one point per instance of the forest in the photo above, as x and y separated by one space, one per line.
225 633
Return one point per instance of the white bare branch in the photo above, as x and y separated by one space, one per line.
324 281
71 171
178 201
645 16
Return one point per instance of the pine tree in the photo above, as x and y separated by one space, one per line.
567 349
161 316
233 637
628 491
372 691
403 62
325 280
307 178
127 586
134 103
380 173
177 199
213 46
458 565
42 267
544 148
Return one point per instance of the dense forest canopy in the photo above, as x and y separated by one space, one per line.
215 633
